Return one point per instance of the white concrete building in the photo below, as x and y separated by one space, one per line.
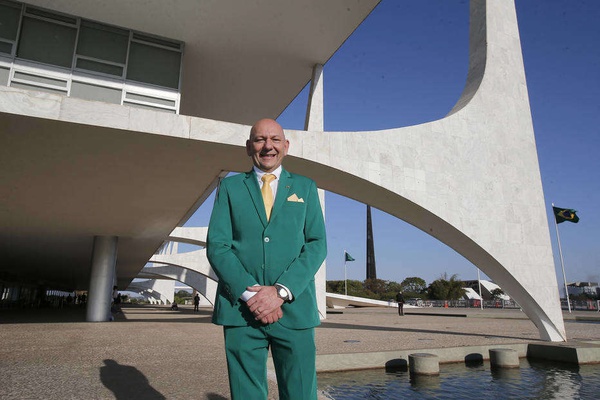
102 103
117 119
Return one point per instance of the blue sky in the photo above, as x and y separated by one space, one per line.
406 65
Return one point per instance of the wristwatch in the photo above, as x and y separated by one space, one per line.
282 292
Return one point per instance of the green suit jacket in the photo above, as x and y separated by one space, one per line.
245 249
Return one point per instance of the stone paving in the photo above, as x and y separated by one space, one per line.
151 352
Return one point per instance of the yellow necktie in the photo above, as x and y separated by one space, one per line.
267 193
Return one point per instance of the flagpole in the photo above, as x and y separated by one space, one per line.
562 263
345 276
479 283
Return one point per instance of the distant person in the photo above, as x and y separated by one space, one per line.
174 306
115 294
116 300
196 302
400 300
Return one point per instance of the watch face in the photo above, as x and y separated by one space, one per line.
283 294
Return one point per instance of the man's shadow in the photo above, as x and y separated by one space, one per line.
127 382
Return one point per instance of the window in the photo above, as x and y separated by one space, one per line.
102 48
88 46
10 15
46 41
55 52
154 65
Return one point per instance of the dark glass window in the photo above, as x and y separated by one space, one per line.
102 42
65 41
9 20
5 48
47 42
154 65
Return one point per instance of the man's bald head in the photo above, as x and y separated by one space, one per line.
267 145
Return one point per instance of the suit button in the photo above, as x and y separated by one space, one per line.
267 240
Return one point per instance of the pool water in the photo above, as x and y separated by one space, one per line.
533 380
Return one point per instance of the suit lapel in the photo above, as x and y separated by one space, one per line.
251 182
283 189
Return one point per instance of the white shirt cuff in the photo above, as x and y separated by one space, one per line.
247 295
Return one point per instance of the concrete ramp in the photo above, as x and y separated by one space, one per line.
335 300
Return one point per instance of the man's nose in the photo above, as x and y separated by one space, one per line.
268 144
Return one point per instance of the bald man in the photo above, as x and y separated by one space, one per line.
266 240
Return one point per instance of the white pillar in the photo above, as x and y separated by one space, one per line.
314 109
104 259
314 122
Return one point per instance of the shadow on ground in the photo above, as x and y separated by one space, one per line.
127 382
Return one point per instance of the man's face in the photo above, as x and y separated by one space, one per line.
267 145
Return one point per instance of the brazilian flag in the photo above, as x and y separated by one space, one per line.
348 257
565 214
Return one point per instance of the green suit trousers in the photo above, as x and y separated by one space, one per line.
293 353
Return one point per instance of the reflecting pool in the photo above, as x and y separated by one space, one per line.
533 380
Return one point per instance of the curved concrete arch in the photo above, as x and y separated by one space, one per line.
471 179
193 260
189 235
151 297
206 286
160 289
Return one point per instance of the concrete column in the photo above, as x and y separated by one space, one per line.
314 110
314 122
504 358
423 364
104 259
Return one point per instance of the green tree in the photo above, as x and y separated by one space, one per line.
379 289
181 296
438 289
497 293
446 289
393 287
456 290
334 287
413 286
376 289
375 286
356 288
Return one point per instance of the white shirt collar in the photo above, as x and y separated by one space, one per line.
259 173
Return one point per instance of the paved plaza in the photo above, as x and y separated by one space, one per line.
151 352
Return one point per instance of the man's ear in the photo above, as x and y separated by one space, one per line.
248 145
286 147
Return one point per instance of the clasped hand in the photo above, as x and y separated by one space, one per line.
265 305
